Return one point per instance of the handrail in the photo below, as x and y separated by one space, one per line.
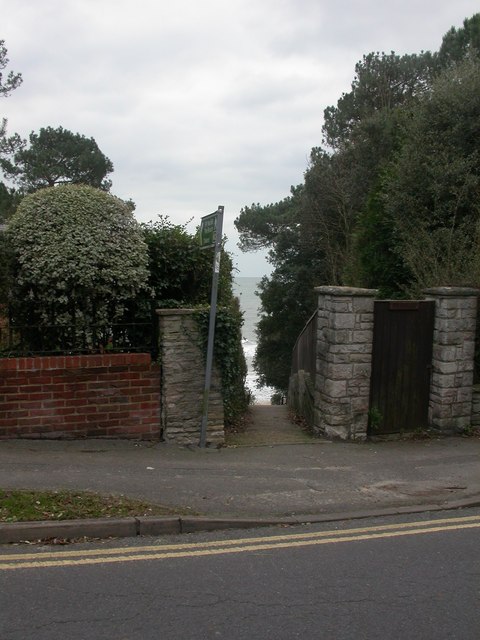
304 351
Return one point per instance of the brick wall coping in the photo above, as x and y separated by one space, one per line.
454 292
174 312
346 291
41 363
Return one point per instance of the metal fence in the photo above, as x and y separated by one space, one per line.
42 340
304 355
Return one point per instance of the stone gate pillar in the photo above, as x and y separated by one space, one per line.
183 381
344 361
450 407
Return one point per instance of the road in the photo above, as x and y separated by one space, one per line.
387 579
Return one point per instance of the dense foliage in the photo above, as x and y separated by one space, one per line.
180 275
432 192
389 202
180 272
229 357
80 258
9 200
58 156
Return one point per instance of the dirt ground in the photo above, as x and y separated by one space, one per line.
269 425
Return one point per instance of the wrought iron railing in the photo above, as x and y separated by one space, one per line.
35 340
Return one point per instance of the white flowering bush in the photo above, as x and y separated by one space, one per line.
80 258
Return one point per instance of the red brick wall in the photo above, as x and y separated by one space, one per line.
108 395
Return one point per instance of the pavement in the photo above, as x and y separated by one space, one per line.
273 473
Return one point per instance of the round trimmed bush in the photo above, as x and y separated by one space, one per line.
80 258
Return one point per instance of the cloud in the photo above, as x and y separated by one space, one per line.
203 103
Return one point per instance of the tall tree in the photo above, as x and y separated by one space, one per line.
336 228
259 225
8 83
310 233
12 80
58 156
8 145
382 82
432 193
287 295
457 44
375 261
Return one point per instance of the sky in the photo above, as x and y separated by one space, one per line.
203 103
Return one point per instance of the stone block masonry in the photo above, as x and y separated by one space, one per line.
344 361
105 395
183 380
450 407
476 406
344 348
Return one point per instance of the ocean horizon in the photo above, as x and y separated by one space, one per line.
244 288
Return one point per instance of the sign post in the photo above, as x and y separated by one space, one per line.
211 236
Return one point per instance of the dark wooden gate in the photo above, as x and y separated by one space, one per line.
401 364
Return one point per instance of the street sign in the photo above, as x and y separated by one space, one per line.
211 235
208 228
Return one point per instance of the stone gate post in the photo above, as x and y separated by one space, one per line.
183 380
450 407
344 361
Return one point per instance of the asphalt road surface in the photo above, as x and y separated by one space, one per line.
385 579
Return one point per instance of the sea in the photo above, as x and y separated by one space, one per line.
245 289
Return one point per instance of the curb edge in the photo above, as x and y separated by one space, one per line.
131 527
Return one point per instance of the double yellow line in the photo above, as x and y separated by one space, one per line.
69 558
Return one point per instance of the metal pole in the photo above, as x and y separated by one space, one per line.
211 325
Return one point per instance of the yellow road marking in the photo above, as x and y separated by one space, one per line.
191 550
236 541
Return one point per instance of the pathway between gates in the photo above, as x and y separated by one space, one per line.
270 425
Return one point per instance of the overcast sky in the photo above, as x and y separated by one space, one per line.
201 103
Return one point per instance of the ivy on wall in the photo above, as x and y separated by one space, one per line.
181 277
229 357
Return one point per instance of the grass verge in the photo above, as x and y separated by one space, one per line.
25 506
